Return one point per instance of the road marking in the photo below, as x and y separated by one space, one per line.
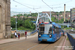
32 47
64 44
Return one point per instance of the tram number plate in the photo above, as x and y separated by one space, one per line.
44 39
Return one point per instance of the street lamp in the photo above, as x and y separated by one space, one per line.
16 19
16 22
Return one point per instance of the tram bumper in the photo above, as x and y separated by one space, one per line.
46 39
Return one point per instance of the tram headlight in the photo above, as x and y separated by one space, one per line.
50 36
39 35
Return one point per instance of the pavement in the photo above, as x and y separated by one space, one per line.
31 44
66 45
2 41
64 42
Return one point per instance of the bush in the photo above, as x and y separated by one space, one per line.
12 35
21 28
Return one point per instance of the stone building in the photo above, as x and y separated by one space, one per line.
5 30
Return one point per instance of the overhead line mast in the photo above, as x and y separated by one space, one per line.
50 11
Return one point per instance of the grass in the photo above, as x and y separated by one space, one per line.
69 28
67 38
22 28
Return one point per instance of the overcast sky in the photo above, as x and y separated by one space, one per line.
39 5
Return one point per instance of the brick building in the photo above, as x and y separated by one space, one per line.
59 15
5 30
72 15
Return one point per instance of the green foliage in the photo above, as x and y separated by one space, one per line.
61 21
13 22
12 35
21 28
20 22
67 28
34 14
67 38
19 15
54 20
27 24
67 11
23 24
27 15
62 27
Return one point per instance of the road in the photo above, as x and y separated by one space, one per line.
31 44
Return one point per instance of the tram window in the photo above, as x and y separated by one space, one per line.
50 30
54 26
56 30
41 28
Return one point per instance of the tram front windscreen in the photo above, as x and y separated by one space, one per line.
45 29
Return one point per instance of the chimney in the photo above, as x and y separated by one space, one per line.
64 11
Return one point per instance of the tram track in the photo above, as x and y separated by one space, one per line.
46 46
52 46
30 44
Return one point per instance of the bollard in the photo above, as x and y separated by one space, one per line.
18 35
25 34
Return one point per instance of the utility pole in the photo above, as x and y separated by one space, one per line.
64 11
16 22
16 19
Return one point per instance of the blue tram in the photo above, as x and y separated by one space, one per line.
49 32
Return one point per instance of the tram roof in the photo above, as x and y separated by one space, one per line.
55 24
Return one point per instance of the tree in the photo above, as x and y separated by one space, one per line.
34 14
13 22
20 22
19 15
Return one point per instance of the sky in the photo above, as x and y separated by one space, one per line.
39 5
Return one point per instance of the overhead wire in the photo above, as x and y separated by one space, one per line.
62 3
22 4
56 4
47 4
26 5
43 2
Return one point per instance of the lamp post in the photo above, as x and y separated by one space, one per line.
16 22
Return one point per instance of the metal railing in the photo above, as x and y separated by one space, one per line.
33 31
21 31
72 40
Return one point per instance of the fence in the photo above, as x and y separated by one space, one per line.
72 40
33 31
23 31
